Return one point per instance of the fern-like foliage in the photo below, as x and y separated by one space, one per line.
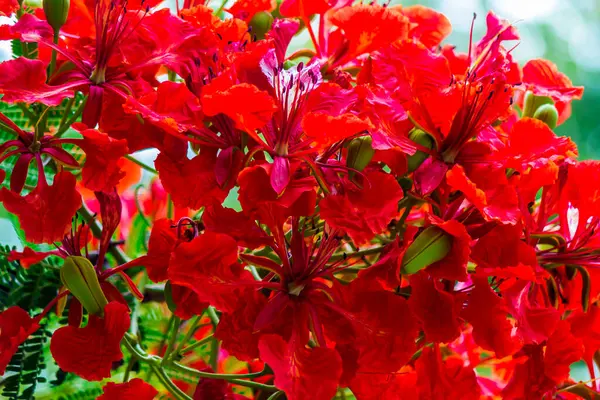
30 289
23 373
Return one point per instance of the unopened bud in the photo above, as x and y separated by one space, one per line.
169 297
424 139
548 114
532 102
56 12
360 153
79 276
261 23
432 245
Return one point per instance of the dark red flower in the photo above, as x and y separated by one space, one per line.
438 310
45 213
90 352
15 327
191 183
135 389
208 265
301 372
363 212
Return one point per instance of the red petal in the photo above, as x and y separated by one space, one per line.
29 257
237 225
101 171
544 79
258 198
171 107
45 213
445 379
162 242
249 107
488 314
303 8
90 352
24 80
208 265
236 329
7 7
363 213
246 9
191 183
370 27
302 373
437 310
325 129
427 25
15 327
135 389
454 265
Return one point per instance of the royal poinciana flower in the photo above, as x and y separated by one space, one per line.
375 215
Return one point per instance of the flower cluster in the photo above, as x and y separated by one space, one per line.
407 225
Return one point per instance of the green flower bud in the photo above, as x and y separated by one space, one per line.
360 153
424 139
432 245
532 102
548 114
79 276
169 297
261 24
56 12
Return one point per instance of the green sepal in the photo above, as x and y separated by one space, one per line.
424 139
432 245
79 276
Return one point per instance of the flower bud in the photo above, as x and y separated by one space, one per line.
432 245
56 12
532 102
424 139
79 276
360 153
261 23
548 114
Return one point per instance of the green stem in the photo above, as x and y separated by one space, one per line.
231 378
275 395
195 345
172 338
194 323
66 111
170 210
367 252
53 59
154 364
65 126
141 164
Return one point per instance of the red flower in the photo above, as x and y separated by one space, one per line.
488 314
543 78
437 309
15 327
246 9
135 389
302 373
546 366
90 352
191 183
101 171
208 265
363 212
368 27
45 213
445 379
